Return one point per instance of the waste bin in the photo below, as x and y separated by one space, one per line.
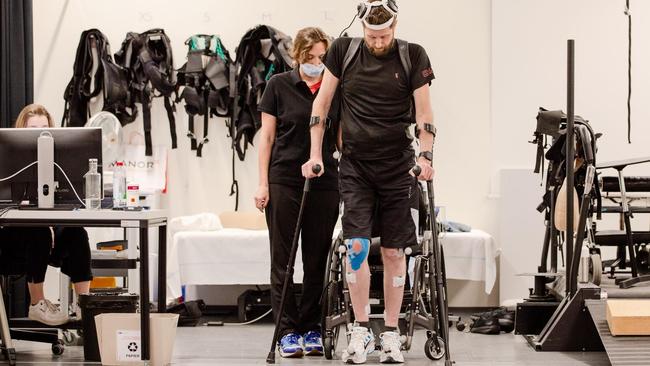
100 303
120 340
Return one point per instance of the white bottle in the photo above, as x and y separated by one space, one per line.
119 185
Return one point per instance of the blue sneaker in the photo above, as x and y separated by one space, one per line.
313 343
290 346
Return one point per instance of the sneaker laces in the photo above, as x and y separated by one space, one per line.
357 339
51 306
291 338
390 342
312 337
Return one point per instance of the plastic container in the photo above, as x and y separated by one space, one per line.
132 195
100 303
93 186
119 185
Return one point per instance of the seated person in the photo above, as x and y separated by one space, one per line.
67 248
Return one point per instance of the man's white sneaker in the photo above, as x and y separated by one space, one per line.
47 313
362 342
391 348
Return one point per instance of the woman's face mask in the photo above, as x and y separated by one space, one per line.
312 70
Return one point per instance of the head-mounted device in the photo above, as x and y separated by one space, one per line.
364 9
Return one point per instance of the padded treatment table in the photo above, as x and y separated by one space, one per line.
242 257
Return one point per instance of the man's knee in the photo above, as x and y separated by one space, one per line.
357 251
394 262
392 255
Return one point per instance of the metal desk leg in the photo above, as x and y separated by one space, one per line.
144 289
7 344
162 268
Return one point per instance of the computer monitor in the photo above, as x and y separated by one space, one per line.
73 146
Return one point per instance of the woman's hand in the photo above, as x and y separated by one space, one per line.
308 168
262 197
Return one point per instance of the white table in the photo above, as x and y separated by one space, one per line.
140 220
242 257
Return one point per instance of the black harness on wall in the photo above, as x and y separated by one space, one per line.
148 58
205 77
94 72
262 52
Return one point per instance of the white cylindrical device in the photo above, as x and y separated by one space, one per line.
45 154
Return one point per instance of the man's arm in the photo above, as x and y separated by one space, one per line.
320 108
424 115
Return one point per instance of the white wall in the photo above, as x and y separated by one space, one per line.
529 70
495 61
460 95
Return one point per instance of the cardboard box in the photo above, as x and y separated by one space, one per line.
628 317
118 336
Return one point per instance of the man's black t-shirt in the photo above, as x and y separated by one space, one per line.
376 98
288 98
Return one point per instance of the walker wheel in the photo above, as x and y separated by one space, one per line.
434 352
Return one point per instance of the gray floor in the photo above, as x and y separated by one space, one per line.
248 345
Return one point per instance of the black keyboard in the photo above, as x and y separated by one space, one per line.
57 207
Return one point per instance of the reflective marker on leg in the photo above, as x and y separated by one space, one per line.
398 281
351 277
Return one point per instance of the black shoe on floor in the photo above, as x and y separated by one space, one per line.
505 317
486 324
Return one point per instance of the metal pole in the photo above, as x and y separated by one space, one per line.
569 166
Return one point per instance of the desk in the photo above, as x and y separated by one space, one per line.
141 220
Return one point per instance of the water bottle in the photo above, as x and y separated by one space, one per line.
93 186
119 185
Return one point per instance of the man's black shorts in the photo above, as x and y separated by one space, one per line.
380 198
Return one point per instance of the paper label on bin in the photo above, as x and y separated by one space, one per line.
128 345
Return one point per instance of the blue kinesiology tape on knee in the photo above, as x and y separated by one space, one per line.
357 251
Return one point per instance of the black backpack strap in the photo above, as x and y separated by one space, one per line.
353 48
169 107
190 133
206 119
146 121
405 57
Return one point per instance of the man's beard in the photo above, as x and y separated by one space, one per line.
380 51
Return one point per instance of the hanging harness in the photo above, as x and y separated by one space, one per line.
94 72
205 77
262 52
148 58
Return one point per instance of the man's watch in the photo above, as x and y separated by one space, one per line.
427 155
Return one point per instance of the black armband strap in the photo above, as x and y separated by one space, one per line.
313 121
430 128
427 155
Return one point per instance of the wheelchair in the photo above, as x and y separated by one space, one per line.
425 298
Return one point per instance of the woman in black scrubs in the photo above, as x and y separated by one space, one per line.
283 148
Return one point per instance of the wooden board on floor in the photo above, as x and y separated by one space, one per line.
628 316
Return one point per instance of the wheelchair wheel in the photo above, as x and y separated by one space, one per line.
331 301
434 348
595 269
331 304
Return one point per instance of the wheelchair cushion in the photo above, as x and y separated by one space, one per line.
618 237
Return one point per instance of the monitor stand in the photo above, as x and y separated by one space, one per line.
45 170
